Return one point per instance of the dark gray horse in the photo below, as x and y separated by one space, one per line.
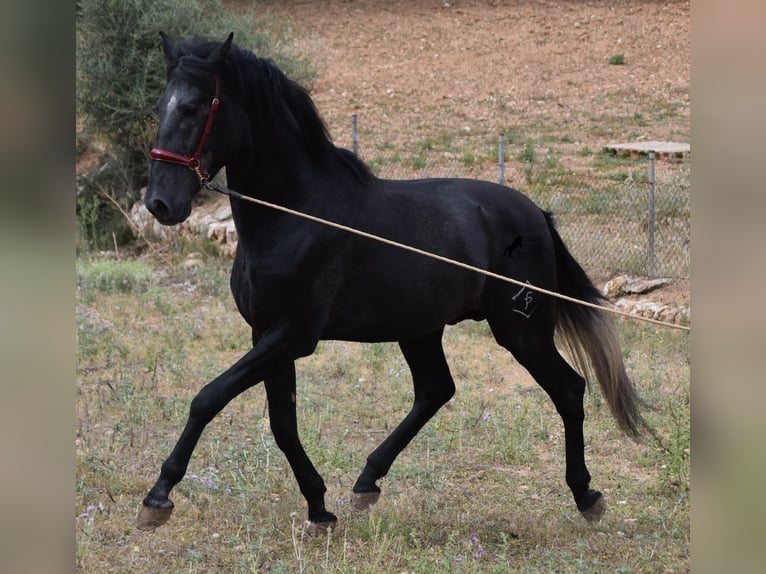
297 282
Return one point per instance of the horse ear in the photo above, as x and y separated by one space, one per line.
221 52
167 45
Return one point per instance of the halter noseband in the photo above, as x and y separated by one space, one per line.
192 161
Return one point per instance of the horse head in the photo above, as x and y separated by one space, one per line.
197 132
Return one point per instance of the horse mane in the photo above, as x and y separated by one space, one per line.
278 98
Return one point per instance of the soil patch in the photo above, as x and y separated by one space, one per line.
412 69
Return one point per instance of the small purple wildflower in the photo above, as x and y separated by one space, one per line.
479 548
485 417
206 479
90 508
90 512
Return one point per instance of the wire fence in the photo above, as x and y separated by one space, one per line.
631 216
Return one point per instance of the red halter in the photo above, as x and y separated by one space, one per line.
192 161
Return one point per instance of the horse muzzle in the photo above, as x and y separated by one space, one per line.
165 213
169 208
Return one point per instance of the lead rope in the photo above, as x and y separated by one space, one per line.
231 193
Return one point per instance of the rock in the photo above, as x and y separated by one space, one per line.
613 287
191 263
223 213
638 285
678 315
231 233
217 232
628 285
230 249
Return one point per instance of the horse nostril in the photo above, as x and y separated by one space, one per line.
158 208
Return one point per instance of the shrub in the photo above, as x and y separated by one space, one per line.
120 74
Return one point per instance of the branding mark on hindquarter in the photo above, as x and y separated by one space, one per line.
524 302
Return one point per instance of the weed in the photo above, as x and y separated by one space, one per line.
552 162
640 121
419 162
673 450
528 154
606 159
513 136
617 60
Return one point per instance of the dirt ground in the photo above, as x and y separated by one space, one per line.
409 67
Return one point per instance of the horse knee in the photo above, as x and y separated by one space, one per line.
436 395
570 402
203 407
446 392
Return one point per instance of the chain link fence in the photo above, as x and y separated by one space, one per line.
613 219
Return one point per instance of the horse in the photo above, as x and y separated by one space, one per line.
296 282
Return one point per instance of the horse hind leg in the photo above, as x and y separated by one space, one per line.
280 392
433 386
535 350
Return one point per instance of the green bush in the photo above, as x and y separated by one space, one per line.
121 72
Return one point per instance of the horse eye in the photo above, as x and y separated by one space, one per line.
189 109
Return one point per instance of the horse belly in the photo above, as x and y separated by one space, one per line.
405 305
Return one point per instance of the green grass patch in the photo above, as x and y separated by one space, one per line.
606 159
108 275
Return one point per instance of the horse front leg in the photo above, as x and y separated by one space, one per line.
433 387
280 391
245 373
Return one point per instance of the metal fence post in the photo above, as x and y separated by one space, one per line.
354 134
501 160
652 213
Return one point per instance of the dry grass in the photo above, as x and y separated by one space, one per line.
481 489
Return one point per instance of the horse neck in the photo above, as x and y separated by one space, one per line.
286 175
294 167
274 173
286 166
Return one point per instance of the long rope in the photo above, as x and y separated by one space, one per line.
231 193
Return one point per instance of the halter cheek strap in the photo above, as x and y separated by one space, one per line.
192 161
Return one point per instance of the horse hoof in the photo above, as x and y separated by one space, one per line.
596 511
362 501
314 529
150 517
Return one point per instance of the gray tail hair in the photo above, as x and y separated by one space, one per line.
591 340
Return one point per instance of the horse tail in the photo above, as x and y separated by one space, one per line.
591 340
